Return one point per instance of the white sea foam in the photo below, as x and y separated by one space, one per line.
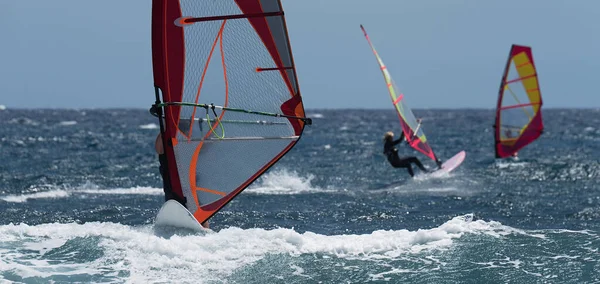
510 164
149 126
143 256
284 182
134 190
277 182
24 121
20 198
315 115
68 123
62 193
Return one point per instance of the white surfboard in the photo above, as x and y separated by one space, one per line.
450 164
173 214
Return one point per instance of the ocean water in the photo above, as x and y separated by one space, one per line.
79 190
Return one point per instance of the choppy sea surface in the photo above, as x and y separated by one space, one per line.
79 190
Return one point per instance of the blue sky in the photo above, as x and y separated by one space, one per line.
441 53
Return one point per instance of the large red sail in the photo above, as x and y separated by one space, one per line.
518 111
227 88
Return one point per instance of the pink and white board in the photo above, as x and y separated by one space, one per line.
450 164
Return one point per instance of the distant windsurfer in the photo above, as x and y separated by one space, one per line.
392 154
509 134
162 159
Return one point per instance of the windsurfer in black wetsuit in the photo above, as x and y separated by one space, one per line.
392 154
162 158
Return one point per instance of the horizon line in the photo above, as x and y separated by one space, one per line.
306 109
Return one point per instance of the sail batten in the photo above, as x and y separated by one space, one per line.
518 111
519 106
410 127
224 121
189 20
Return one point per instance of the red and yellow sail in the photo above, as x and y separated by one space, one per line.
518 112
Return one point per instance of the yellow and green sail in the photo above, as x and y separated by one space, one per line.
413 133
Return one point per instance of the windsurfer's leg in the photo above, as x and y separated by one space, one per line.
396 162
168 193
418 163
166 184
410 170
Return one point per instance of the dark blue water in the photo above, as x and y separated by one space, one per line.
79 190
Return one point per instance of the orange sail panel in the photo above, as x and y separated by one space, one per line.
411 128
519 108
234 54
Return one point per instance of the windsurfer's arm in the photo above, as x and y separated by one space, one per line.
400 139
